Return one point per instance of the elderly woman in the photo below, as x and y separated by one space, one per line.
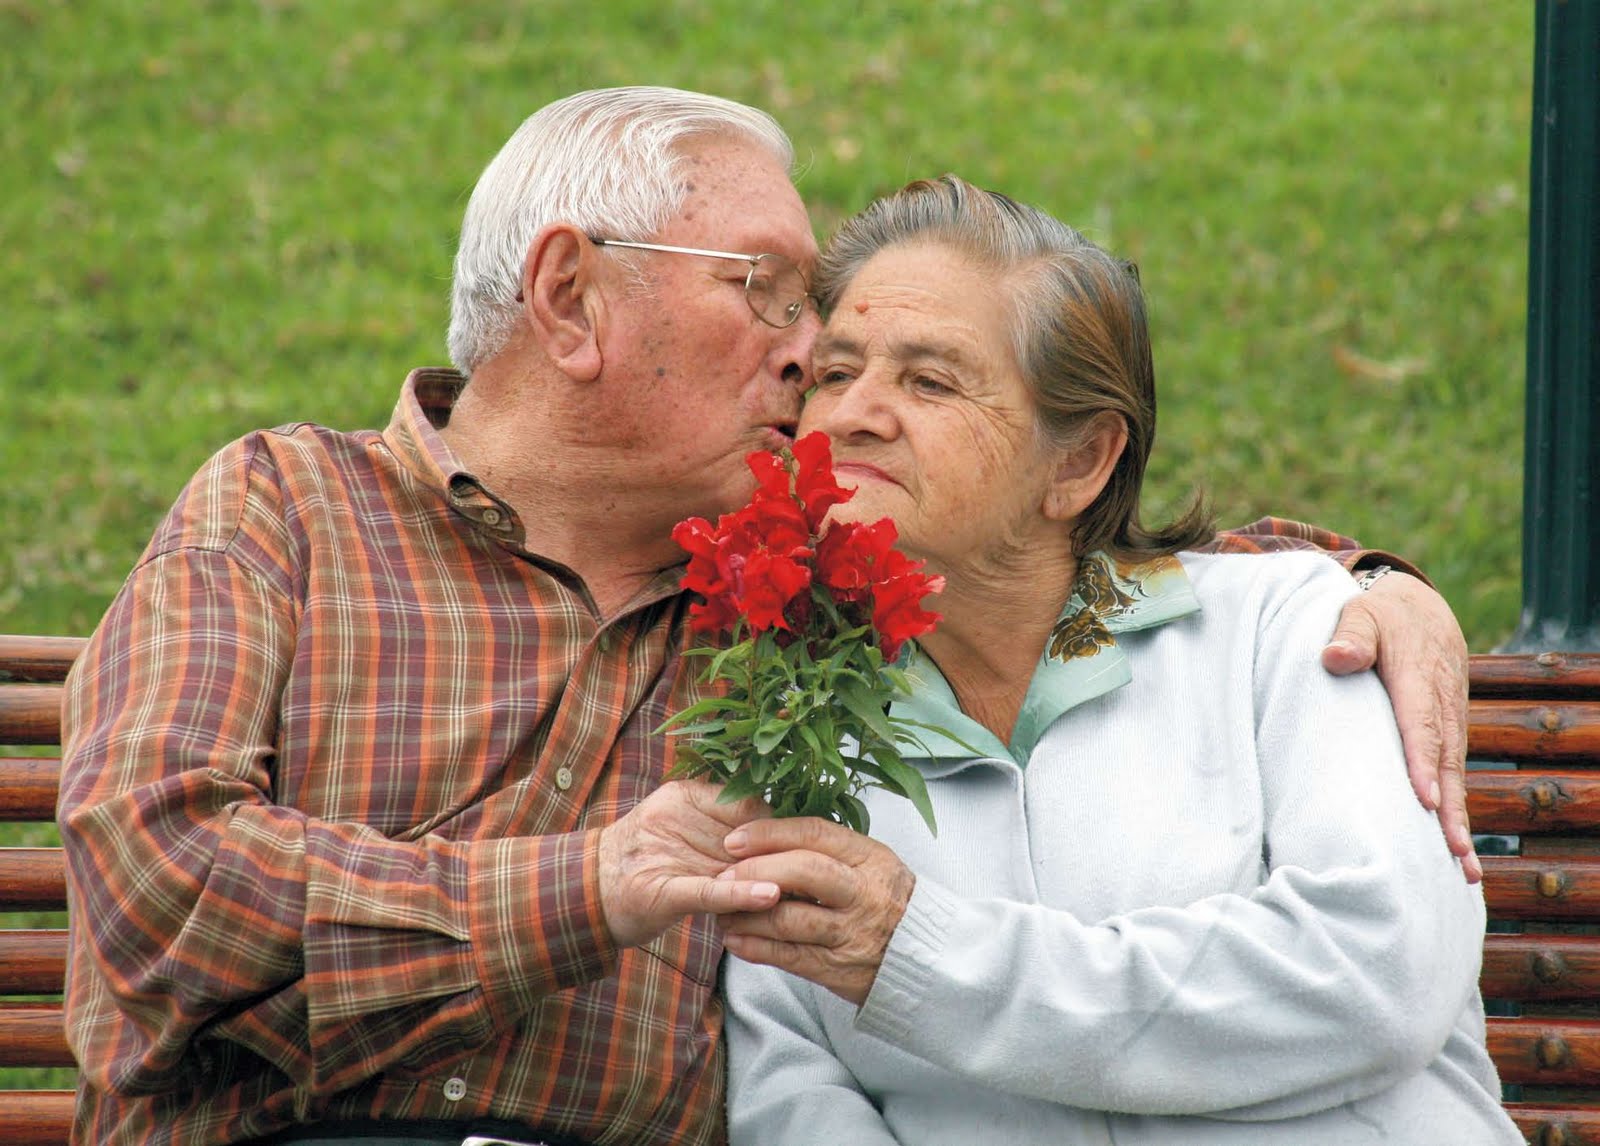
1184 894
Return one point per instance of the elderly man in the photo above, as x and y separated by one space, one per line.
364 819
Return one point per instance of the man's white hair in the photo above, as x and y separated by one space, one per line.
606 161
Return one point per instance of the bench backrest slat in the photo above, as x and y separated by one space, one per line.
30 713
1541 967
33 961
1522 731
34 1034
1494 676
37 660
28 787
32 879
35 1117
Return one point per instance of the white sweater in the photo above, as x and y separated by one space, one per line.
1208 910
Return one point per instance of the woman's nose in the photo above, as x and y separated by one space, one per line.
864 406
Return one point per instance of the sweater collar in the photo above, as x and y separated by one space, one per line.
1081 660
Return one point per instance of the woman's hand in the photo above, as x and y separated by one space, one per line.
844 895
1405 629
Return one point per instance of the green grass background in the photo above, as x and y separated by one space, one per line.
220 216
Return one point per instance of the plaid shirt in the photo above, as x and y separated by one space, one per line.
336 762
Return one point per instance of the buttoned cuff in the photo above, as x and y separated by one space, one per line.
536 919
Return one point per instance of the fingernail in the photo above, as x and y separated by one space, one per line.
725 873
764 890
1434 795
736 839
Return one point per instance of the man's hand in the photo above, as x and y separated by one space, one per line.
844 896
1407 630
660 862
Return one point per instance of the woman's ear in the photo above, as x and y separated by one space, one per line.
561 299
1083 471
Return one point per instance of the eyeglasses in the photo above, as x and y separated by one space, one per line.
775 288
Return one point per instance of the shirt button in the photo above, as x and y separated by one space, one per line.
563 778
456 1089
491 516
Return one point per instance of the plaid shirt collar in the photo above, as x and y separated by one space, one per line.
426 399
424 407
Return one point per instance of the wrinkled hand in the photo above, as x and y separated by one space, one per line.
844 896
659 862
1408 630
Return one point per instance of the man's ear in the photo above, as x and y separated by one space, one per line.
1083 471
562 300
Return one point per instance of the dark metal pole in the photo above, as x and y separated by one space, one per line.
1561 477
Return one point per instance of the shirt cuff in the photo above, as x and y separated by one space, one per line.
534 903
1359 560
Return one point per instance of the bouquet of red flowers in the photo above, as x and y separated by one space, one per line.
814 619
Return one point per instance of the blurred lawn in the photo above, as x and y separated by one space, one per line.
219 216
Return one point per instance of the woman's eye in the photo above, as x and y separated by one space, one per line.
927 385
832 377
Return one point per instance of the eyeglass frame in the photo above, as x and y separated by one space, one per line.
798 306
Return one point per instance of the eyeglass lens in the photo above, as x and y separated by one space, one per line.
776 290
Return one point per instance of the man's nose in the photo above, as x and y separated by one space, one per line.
796 368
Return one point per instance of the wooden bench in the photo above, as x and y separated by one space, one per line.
1535 723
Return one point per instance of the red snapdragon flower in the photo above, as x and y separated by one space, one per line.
751 566
897 611
850 556
813 479
761 564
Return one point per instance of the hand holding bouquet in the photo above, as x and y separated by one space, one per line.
814 618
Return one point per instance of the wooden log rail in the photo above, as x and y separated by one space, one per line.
1536 719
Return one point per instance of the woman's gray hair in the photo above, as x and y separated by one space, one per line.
606 161
1079 332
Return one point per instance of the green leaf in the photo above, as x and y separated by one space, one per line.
703 728
897 678
787 764
866 707
854 813
880 778
699 708
813 741
740 651
738 786
770 735
684 769
913 787
945 732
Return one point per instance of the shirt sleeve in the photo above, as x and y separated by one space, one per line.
1344 972
203 911
1280 535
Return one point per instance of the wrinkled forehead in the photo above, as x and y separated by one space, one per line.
929 271
921 295
738 195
